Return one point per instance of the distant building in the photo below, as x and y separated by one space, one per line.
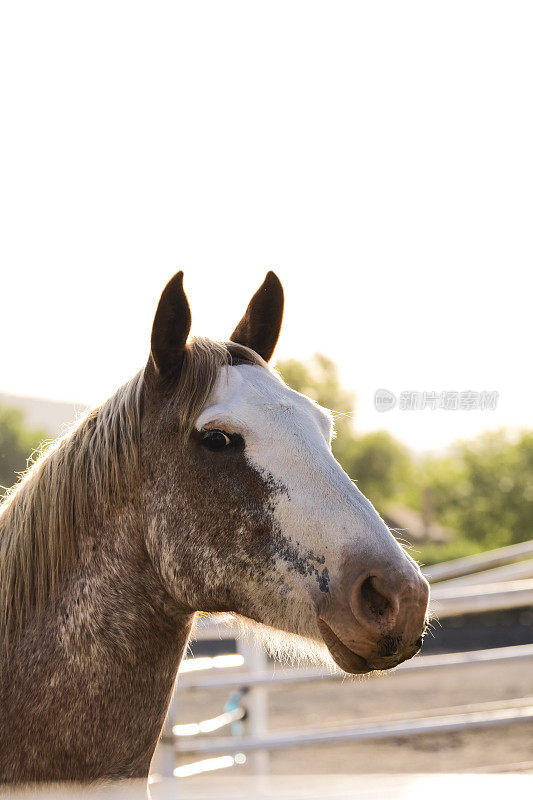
415 526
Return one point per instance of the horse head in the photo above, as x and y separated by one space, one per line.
247 510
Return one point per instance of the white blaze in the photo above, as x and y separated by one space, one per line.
287 436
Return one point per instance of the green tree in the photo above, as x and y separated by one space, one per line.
485 488
381 466
17 443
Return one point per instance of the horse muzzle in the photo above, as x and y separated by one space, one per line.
378 622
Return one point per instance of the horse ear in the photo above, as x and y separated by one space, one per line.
259 328
171 328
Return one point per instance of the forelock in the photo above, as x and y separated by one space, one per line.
202 363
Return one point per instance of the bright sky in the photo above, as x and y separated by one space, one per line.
377 156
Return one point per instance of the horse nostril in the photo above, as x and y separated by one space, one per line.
376 602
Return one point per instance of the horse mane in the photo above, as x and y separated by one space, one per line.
94 465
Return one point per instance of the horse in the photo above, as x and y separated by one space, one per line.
204 484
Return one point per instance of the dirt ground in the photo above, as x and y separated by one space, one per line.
398 695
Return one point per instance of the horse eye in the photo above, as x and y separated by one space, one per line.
216 440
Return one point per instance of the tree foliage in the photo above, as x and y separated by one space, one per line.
484 489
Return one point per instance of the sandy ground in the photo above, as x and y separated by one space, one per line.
397 695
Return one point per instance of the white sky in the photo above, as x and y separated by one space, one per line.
378 156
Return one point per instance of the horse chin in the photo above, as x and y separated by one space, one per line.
344 658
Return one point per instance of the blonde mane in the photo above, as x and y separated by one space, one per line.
94 466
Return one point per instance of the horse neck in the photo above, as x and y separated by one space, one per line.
121 596
105 653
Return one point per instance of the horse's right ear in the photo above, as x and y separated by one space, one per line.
171 328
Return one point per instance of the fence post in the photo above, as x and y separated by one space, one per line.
256 702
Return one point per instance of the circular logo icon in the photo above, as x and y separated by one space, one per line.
384 400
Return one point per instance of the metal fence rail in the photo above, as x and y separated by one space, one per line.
418 664
454 601
505 713
509 572
478 562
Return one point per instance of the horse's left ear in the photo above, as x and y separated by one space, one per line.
259 328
